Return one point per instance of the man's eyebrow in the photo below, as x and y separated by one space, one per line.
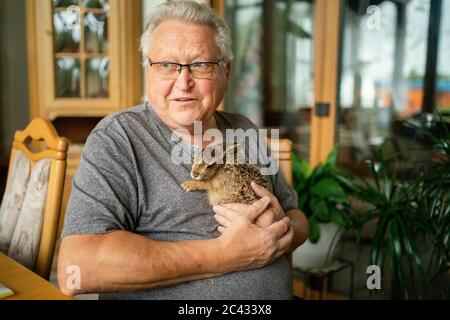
191 58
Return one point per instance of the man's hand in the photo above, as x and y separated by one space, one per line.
228 212
246 245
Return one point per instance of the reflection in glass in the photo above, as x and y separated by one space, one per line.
381 81
100 4
64 3
67 77
67 31
97 77
96 32
245 92
272 78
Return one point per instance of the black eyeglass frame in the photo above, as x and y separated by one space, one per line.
188 65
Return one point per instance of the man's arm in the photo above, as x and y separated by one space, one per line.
124 261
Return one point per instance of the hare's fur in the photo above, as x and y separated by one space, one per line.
230 183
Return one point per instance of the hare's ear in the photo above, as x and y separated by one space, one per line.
234 147
232 150
213 154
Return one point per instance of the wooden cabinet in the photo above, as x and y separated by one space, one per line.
84 58
84 63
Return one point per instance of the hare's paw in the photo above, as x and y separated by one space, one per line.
189 185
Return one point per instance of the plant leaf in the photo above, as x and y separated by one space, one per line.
336 216
320 209
303 200
328 188
314 230
300 167
331 159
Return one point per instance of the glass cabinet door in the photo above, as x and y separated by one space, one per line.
84 55
81 48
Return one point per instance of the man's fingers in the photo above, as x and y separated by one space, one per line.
257 208
261 191
253 210
225 212
285 241
238 207
280 227
221 220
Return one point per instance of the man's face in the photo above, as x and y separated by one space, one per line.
184 100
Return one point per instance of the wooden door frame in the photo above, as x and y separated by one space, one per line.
326 72
327 26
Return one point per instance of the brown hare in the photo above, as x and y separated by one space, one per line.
224 182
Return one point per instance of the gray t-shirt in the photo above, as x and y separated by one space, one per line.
127 181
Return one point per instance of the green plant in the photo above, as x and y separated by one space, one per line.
409 213
394 246
432 194
322 193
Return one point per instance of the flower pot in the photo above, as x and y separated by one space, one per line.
318 255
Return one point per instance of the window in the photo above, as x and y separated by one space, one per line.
272 72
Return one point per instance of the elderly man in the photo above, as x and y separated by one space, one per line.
130 229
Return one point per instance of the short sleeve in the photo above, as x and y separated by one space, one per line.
104 191
286 195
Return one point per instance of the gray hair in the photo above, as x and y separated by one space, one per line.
190 11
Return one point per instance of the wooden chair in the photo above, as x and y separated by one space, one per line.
38 132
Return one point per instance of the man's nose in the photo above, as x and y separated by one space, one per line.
185 80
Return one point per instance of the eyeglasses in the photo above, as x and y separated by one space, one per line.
199 70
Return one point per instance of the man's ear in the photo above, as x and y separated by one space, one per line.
228 71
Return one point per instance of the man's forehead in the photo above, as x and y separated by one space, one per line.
183 29
175 39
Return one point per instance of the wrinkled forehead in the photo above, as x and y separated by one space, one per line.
177 38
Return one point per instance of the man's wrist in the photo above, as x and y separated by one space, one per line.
216 255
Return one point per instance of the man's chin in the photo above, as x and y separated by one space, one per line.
186 119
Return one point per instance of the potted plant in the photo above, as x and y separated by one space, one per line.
413 218
432 195
323 195
394 245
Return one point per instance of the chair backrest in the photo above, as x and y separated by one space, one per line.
41 133
282 151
